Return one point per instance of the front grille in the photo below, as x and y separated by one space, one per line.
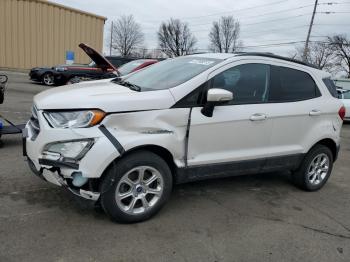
34 123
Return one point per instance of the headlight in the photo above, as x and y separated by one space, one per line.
60 69
74 119
75 149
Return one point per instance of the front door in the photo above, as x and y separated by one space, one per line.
238 132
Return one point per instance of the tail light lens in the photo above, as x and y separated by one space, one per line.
342 112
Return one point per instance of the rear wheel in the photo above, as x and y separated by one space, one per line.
315 169
136 187
48 79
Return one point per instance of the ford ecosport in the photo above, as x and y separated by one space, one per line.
126 142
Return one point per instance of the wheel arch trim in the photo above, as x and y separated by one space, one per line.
331 144
162 152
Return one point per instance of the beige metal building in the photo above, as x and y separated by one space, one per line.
38 33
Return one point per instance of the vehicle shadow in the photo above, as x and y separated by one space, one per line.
261 188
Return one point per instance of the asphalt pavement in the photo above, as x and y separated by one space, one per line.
247 218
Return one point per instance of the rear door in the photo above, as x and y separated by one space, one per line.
299 115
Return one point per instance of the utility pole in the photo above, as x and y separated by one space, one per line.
306 48
110 44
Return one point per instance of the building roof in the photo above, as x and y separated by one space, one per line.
70 9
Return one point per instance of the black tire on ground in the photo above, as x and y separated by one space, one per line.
117 171
300 176
74 80
2 96
47 79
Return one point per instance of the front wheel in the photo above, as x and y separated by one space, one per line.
136 188
48 79
315 169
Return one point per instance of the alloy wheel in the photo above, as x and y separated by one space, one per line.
318 169
48 79
139 190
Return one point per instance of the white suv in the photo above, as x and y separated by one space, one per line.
125 142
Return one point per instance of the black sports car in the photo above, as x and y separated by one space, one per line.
100 67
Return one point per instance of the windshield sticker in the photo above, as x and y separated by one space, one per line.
201 62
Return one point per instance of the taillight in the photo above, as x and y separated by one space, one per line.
342 112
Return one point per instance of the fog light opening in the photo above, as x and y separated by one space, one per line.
78 179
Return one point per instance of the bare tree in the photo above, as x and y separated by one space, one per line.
141 52
175 38
126 35
224 35
340 45
319 54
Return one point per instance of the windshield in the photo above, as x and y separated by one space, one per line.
129 67
171 72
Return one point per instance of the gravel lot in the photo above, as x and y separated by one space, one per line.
249 218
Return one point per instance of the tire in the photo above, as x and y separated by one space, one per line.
122 179
2 96
74 80
307 177
48 79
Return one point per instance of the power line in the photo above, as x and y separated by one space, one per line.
331 24
254 16
274 12
261 22
236 10
264 31
276 44
273 20
279 19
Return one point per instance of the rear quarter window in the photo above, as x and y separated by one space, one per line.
346 95
331 87
288 85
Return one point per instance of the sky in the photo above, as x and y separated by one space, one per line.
275 26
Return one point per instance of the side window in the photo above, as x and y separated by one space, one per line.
193 99
249 83
331 87
288 85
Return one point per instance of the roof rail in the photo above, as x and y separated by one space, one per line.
271 55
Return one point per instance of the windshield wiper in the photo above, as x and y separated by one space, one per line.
127 84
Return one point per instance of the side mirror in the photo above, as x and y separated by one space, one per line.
219 95
216 96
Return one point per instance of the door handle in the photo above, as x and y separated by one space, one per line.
258 117
315 112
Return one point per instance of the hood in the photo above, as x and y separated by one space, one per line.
95 56
104 95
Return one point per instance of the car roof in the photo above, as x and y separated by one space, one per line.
291 61
221 56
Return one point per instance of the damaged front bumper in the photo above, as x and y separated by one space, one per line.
79 175
52 175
